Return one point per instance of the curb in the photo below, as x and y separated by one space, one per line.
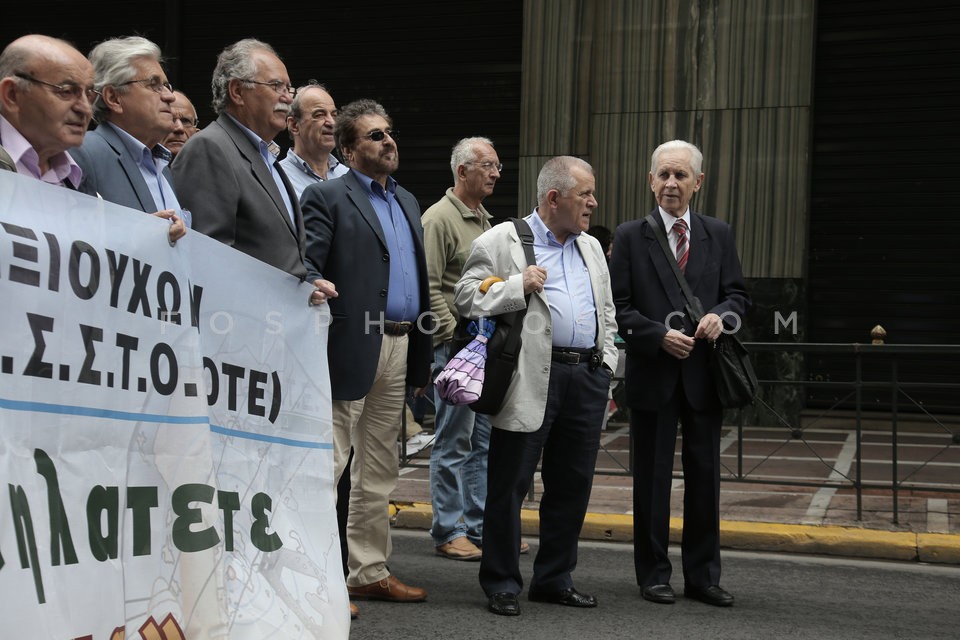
940 548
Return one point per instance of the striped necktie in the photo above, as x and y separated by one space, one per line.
683 249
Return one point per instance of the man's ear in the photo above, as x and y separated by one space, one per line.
553 196
9 94
110 96
235 91
293 125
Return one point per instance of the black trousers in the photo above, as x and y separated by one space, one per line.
568 439
655 437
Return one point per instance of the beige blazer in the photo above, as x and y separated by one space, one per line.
499 252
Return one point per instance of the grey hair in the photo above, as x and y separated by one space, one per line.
113 65
557 174
236 61
465 151
696 157
345 130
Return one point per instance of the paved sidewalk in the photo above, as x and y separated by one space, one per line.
754 516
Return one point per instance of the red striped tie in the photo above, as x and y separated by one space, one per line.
683 251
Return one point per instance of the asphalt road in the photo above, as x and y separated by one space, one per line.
778 597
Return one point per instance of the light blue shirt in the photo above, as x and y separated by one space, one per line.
151 163
269 156
403 289
302 176
569 293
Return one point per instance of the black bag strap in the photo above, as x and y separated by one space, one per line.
511 346
694 307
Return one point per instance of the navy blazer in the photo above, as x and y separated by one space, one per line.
110 170
646 293
346 245
228 188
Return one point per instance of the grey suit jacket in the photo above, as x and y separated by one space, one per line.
110 170
222 179
346 245
499 252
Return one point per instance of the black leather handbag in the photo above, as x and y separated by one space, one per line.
730 366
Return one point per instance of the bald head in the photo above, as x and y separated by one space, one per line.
184 123
36 75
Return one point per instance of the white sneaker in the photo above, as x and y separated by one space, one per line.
419 442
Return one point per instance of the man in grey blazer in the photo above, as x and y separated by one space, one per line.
227 175
364 234
122 159
556 400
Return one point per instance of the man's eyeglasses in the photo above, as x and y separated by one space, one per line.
154 84
68 92
277 85
487 166
377 135
187 123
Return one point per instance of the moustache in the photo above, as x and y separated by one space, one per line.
280 106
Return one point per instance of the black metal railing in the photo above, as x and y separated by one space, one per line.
842 390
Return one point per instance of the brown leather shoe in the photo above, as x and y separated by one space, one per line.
459 549
354 611
389 589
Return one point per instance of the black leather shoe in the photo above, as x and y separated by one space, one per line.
567 597
504 604
711 595
659 593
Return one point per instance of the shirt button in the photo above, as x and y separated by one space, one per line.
546 369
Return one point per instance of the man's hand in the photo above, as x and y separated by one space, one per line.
677 344
323 290
709 328
533 279
177 227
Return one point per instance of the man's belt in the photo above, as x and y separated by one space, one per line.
572 355
392 328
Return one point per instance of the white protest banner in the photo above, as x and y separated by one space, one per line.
165 433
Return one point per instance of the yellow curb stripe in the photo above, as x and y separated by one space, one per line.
756 536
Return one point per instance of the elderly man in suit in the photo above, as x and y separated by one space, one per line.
228 174
667 374
122 159
364 234
46 102
556 399
185 123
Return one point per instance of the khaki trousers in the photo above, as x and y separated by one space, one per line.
371 425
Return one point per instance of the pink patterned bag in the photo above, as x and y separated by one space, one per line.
461 381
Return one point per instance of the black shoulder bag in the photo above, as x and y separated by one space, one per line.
733 374
503 347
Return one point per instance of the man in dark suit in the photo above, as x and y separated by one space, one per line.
122 159
227 175
667 373
364 234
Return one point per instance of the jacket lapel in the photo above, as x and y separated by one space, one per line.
358 195
130 168
251 154
699 248
660 264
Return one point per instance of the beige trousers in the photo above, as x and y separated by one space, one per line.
371 426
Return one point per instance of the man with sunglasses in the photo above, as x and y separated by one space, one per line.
46 97
185 123
228 174
123 159
364 234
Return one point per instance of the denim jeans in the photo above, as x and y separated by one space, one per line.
458 466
